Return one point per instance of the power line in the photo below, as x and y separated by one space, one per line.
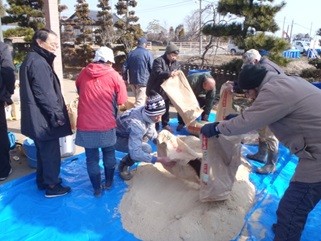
164 6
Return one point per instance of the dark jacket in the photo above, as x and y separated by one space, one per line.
196 82
139 66
161 71
290 106
271 66
7 78
42 103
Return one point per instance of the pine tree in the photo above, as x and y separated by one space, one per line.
105 34
128 29
27 14
85 38
258 18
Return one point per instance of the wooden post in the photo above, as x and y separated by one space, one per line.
52 23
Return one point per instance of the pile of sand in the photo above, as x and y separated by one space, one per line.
159 206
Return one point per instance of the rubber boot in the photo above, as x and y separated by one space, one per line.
260 156
95 182
124 166
269 167
109 177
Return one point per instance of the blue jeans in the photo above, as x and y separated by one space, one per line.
122 145
296 204
92 162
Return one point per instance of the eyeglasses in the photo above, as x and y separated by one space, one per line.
53 45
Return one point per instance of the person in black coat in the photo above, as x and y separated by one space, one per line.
7 83
164 67
44 116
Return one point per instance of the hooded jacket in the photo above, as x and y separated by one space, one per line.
42 103
290 106
134 125
101 89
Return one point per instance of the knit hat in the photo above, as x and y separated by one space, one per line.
251 76
155 104
172 48
104 54
141 41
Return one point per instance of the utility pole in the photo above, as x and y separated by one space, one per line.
200 27
282 34
291 31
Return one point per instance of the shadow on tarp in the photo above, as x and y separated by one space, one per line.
269 190
27 215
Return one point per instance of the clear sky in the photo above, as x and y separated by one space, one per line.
304 14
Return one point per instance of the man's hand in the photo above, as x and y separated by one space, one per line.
210 129
174 73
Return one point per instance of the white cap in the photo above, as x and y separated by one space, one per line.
104 54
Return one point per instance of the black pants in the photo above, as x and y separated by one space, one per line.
48 161
165 117
4 143
294 207
201 102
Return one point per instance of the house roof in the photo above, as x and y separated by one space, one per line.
93 16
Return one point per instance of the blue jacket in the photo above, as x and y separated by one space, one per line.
138 66
134 125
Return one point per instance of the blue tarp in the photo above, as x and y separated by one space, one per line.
27 215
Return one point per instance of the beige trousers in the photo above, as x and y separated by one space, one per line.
140 94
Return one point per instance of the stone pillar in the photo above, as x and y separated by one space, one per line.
52 23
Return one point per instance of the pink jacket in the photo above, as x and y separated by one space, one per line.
101 89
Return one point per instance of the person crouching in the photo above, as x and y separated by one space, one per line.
134 127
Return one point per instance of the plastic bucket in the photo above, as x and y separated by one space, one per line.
67 148
31 152
194 71
67 145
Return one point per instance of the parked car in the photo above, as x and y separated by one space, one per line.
302 46
233 49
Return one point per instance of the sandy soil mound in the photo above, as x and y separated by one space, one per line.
158 206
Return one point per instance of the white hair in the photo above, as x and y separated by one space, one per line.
250 56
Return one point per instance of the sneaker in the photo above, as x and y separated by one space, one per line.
42 186
180 127
4 178
57 191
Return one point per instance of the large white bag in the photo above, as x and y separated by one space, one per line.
182 97
221 159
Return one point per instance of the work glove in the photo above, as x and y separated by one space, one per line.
210 129
230 116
